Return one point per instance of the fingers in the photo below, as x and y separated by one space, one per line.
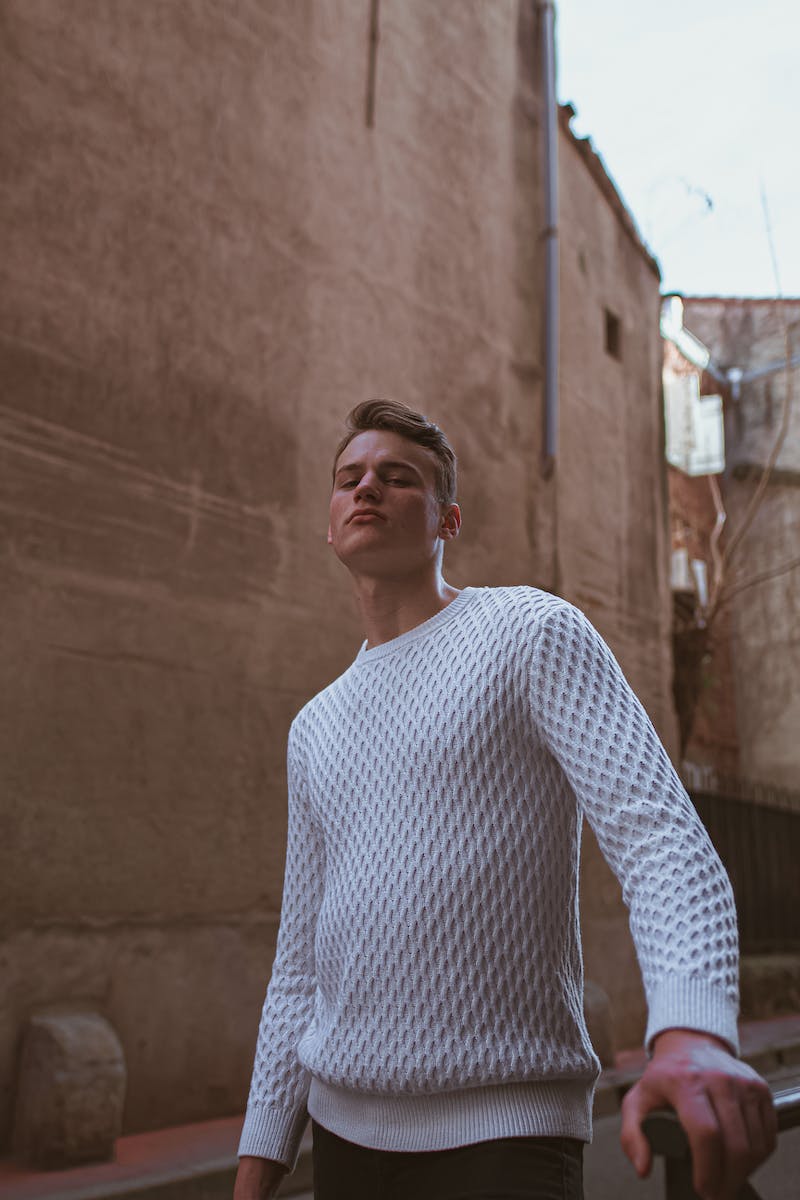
748 1128
731 1129
758 1125
768 1122
730 1125
635 1108
733 1152
700 1121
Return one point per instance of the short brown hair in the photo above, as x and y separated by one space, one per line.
398 418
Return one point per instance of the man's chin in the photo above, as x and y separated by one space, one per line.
366 560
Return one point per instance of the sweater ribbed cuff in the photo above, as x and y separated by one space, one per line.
686 1003
273 1133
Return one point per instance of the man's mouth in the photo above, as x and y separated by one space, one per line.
366 514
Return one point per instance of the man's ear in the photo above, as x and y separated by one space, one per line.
330 536
450 523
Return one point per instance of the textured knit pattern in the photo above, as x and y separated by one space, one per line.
429 938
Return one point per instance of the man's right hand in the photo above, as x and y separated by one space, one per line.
257 1178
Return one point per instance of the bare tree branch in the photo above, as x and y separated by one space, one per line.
716 533
734 589
771 242
700 638
755 500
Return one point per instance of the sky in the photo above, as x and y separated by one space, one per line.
694 106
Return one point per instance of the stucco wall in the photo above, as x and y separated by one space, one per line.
764 616
208 257
611 502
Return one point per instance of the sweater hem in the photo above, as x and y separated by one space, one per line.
445 1120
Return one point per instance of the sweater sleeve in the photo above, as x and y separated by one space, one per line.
681 905
276 1109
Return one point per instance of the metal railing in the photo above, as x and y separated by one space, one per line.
668 1140
756 832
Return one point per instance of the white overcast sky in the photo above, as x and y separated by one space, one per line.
694 106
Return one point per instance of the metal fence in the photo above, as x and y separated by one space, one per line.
756 831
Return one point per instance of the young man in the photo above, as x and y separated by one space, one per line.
425 1005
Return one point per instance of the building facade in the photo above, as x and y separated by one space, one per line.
224 225
749 341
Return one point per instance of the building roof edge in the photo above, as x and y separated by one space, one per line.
602 176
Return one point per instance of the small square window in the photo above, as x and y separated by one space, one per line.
613 335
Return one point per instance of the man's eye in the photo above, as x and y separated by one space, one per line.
401 482
347 483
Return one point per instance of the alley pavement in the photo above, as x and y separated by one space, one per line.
198 1161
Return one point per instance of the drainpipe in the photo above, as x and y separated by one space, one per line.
551 302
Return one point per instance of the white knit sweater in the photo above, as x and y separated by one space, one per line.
427 986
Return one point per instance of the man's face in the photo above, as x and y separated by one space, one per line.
384 515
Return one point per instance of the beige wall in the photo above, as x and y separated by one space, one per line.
764 617
611 502
207 258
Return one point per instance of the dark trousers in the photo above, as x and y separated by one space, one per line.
518 1168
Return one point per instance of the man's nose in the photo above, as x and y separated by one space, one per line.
368 485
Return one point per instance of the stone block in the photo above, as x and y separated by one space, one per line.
71 1090
769 985
597 1011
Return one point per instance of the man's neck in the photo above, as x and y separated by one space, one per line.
391 607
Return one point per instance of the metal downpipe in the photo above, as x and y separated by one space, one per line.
550 233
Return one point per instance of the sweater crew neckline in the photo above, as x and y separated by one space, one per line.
443 617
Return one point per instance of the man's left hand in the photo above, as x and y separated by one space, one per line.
724 1106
